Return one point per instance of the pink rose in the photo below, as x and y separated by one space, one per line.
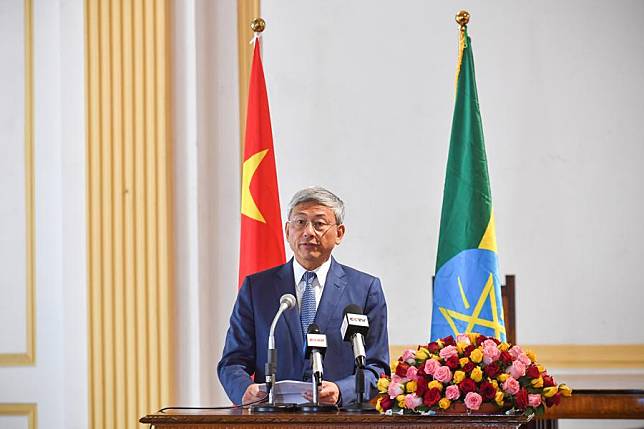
395 378
452 392
411 372
443 374
490 353
515 351
473 400
534 400
431 365
517 369
395 389
409 356
511 386
463 338
524 359
412 401
448 351
488 343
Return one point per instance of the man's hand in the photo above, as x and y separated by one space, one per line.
329 393
253 394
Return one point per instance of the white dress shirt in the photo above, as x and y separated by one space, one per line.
318 283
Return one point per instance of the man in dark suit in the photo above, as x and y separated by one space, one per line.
323 288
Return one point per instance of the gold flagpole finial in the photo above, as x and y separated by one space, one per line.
257 25
462 18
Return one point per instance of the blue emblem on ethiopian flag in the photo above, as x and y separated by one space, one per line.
467 288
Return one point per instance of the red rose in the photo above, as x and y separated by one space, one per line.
421 370
453 362
468 385
421 386
480 339
492 370
448 341
553 400
401 369
433 347
496 340
468 350
506 358
532 371
521 399
431 397
468 367
548 381
487 391
386 402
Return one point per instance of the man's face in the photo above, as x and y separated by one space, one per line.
312 234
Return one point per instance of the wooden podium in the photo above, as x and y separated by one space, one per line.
244 419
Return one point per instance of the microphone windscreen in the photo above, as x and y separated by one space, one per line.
353 309
313 329
289 300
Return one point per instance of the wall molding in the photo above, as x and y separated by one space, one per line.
29 410
630 356
29 357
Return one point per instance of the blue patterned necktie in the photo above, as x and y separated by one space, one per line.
307 310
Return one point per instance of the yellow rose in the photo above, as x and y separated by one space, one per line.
422 354
537 382
477 374
541 368
393 366
383 385
440 343
476 355
502 377
565 390
532 355
504 347
463 361
458 376
401 401
411 386
460 346
473 336
378 406
435 384
550 391
444 403
495 384
498 398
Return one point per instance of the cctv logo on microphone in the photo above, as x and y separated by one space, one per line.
316 340
358 319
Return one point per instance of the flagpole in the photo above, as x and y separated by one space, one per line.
462 18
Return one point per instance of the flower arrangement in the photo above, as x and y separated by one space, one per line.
473 369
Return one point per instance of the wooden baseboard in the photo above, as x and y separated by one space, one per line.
627 356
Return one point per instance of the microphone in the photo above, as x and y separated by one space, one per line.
315 349
287 301
354 328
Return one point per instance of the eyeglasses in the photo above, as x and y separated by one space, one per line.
300 224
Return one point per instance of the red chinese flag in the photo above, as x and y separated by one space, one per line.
262 242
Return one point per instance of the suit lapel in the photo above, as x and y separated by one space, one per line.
286 284
333 290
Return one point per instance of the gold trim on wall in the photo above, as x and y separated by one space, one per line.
129 211
28 410
247 10
29 357
630 356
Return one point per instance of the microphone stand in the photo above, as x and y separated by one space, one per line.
314 406
360 406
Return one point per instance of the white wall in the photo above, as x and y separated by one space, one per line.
361 97
57 382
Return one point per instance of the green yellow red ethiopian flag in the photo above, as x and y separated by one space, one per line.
261 242
467 289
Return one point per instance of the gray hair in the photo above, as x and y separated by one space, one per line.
321 196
